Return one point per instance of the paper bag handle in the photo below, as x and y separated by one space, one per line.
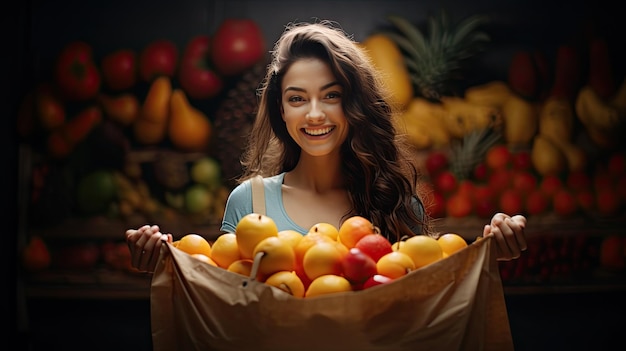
258 195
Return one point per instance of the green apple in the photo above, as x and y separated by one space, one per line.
198 198
207 171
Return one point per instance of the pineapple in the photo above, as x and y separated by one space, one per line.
467 153
233 121
435 61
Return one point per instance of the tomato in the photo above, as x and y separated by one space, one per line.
76 73
158 58
196 76
119 69
237 45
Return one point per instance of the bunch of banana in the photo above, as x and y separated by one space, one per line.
604 119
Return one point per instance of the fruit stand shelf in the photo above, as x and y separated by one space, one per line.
101 284
96 228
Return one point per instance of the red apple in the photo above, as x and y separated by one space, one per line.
81 256
498 157
374 245
76 73
445 182
484 207
536 202
459 205
521 160
237 45
197 78
550 184
376 279
578 180
35 255
357 267
481 172
436 162
524 181
119 69
158 58
511 201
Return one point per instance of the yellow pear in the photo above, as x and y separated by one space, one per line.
521 121
388 59
151 125
546 157
189 128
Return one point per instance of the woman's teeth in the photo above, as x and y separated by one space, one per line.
319 131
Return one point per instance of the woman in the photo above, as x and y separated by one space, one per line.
325 143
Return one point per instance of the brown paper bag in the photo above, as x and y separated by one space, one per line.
453 304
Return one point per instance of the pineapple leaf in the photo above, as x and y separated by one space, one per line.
467 27
414 36
436 33
404 44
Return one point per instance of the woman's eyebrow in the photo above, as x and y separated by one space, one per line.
324 87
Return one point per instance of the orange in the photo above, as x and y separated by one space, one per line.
225 250
204 258
395 265
328 284
278 255
291 236
451 243
307 242
326 229
321 259
194 244
288 282
422 249
242 266
251 229
353 229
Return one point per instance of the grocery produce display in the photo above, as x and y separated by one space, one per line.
153 135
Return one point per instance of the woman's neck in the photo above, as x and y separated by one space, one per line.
319 174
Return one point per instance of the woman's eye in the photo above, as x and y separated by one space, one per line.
333 95
294 99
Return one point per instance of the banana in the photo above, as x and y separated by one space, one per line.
595 113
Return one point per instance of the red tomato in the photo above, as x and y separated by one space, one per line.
119 69
196 76
237 45
76 73
158 58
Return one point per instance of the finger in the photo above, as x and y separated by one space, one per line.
518 223
137 248
504 252
149 250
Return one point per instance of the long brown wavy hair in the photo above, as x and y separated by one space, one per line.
380 176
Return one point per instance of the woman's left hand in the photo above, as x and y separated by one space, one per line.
509 235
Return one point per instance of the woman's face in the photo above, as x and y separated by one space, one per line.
312 107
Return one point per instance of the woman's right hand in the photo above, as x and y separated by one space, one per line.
145 246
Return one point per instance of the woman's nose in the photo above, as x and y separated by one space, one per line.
315 113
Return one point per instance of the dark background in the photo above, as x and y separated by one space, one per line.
34 31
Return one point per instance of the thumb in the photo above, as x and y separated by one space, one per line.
486 230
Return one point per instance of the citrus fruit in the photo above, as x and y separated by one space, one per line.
278 255
321 259
225 250
288 282
251 229
328 284
326 229
291 236
307 242
353 229
374 245
395 265
204 258
422 249
451 243
242 266
194 244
